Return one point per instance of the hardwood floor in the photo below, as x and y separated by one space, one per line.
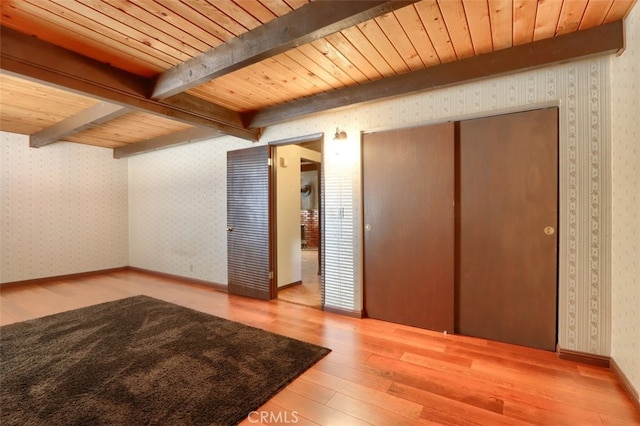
309 292
377 373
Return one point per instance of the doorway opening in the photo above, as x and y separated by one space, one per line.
298 222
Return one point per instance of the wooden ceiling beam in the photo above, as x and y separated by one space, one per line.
605 39
90 117
194 134
28 57
308 23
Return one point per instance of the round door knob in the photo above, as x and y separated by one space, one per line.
549 230
229 228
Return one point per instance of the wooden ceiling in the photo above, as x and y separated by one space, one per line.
138 75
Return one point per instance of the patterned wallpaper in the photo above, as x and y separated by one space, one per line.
625 171
178 210
177 197
581 91
63 209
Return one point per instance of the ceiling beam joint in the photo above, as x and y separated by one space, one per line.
37 60
601 40
308 23
84 120
194 134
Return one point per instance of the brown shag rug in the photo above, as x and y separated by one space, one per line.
142 361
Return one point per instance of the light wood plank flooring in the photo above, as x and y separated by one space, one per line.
309 292
378 373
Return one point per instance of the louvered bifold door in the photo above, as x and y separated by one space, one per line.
248 226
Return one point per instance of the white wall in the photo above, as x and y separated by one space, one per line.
625 182
178 209
289 257
63 209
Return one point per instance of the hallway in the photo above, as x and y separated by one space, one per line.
309 292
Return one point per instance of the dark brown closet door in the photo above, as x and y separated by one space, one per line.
507 231
409 224
249 254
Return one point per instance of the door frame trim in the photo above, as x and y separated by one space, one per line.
273 208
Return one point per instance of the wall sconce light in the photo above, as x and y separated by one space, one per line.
340 135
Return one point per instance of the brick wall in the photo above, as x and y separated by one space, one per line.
309 218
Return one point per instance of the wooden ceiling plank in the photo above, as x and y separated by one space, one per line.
477 13
619 10
433 22
97 114
501 15
238 14
303 71
171 19
16 119
223 93
41 61
258 11
27 107
301 26
290 76
547 19
400 43
289 79
194 134
106 137
131 11
295 4
360 42
524 21
595 14
348 50
97 18
378 30
63 17
571 16
299 57
215 33
215 14
17 19
277 7
237 82
257 79
326 65
137 127
238 92
600 40
456 21
46 102
96 141
148 31
339 60
412 26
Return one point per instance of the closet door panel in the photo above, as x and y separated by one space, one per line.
507 229
409 224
